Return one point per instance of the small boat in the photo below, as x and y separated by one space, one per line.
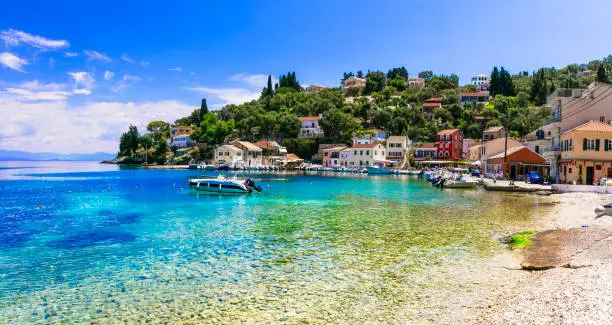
223 167
453 183
221 184
378 168
193 166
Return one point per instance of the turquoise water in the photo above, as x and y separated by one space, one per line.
83 242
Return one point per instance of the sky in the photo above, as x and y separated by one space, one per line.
74 75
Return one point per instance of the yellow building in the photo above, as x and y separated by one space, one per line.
586 153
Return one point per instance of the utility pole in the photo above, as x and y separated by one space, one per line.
506 141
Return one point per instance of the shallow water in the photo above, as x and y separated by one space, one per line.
83 242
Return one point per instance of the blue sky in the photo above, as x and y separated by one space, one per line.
113 62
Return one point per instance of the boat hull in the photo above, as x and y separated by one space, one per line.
217 186
379 171
460 185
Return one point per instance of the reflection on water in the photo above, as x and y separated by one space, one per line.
111 245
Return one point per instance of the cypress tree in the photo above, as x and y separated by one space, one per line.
494 81
270 91
203 111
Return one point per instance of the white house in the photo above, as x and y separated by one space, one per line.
397 147
181 141
345 157
366 154
228 154
251 154
310 127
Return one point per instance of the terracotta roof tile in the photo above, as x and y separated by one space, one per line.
310 118
592 125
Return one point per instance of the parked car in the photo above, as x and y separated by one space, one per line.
534 177
475 172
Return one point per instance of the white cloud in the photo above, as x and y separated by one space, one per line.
125 82
71 54
51 63
92 127
108 75
178 69
229 95
95 55
193 73
13 37
126 58
144 63
12 61
36 91
253 80
82 78
250 89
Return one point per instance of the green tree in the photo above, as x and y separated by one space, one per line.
426 74
375 82
602 74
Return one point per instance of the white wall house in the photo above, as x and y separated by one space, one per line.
364 155
228 154
397 147
345 157
310 127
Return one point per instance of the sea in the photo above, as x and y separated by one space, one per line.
83 242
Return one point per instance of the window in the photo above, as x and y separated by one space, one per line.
570 170
597 167
609 172
602 119
355 153
537 149
367 152
607 145
361 152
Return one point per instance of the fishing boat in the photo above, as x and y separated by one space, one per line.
378 168
222 184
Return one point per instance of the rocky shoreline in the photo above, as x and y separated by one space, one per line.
570 270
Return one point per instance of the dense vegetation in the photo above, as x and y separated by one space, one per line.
385 103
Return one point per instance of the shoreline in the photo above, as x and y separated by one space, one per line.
578 292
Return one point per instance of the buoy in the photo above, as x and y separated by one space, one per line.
41 206
109 187
180 188
69 192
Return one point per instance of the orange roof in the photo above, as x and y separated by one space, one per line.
309 118
361 146
449 131
520 154
480 94
264 144
433 99
292 156
592 125
427 145
432 105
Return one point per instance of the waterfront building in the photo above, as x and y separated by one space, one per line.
353 81
345 157
271 148
416 83
545 142
449 144
478 97
318 157
397 147
251 153
494 132
426 151
314 89
518 161
495 147
331 157
430 105
374 135
586 153
228 154
310 127
467 143
366 154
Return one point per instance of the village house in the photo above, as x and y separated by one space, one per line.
251 154
397 147
494 132
426 151
517 162
181 141
416 83
318 157
353 81
181 130
314 89
366 154
310 127
545 142
271 148
586 153
449 144
481 79
473 155
479 97
494 147
228 154
430 105
373 136
331 157
467 143
345 157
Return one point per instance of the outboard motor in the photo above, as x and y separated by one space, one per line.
251 185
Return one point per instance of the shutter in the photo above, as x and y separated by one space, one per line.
596 144
606 145
584 144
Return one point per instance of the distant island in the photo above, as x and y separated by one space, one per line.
15 155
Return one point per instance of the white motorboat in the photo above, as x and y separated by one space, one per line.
454 183
222 184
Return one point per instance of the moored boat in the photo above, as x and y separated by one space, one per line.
378 168
221 184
